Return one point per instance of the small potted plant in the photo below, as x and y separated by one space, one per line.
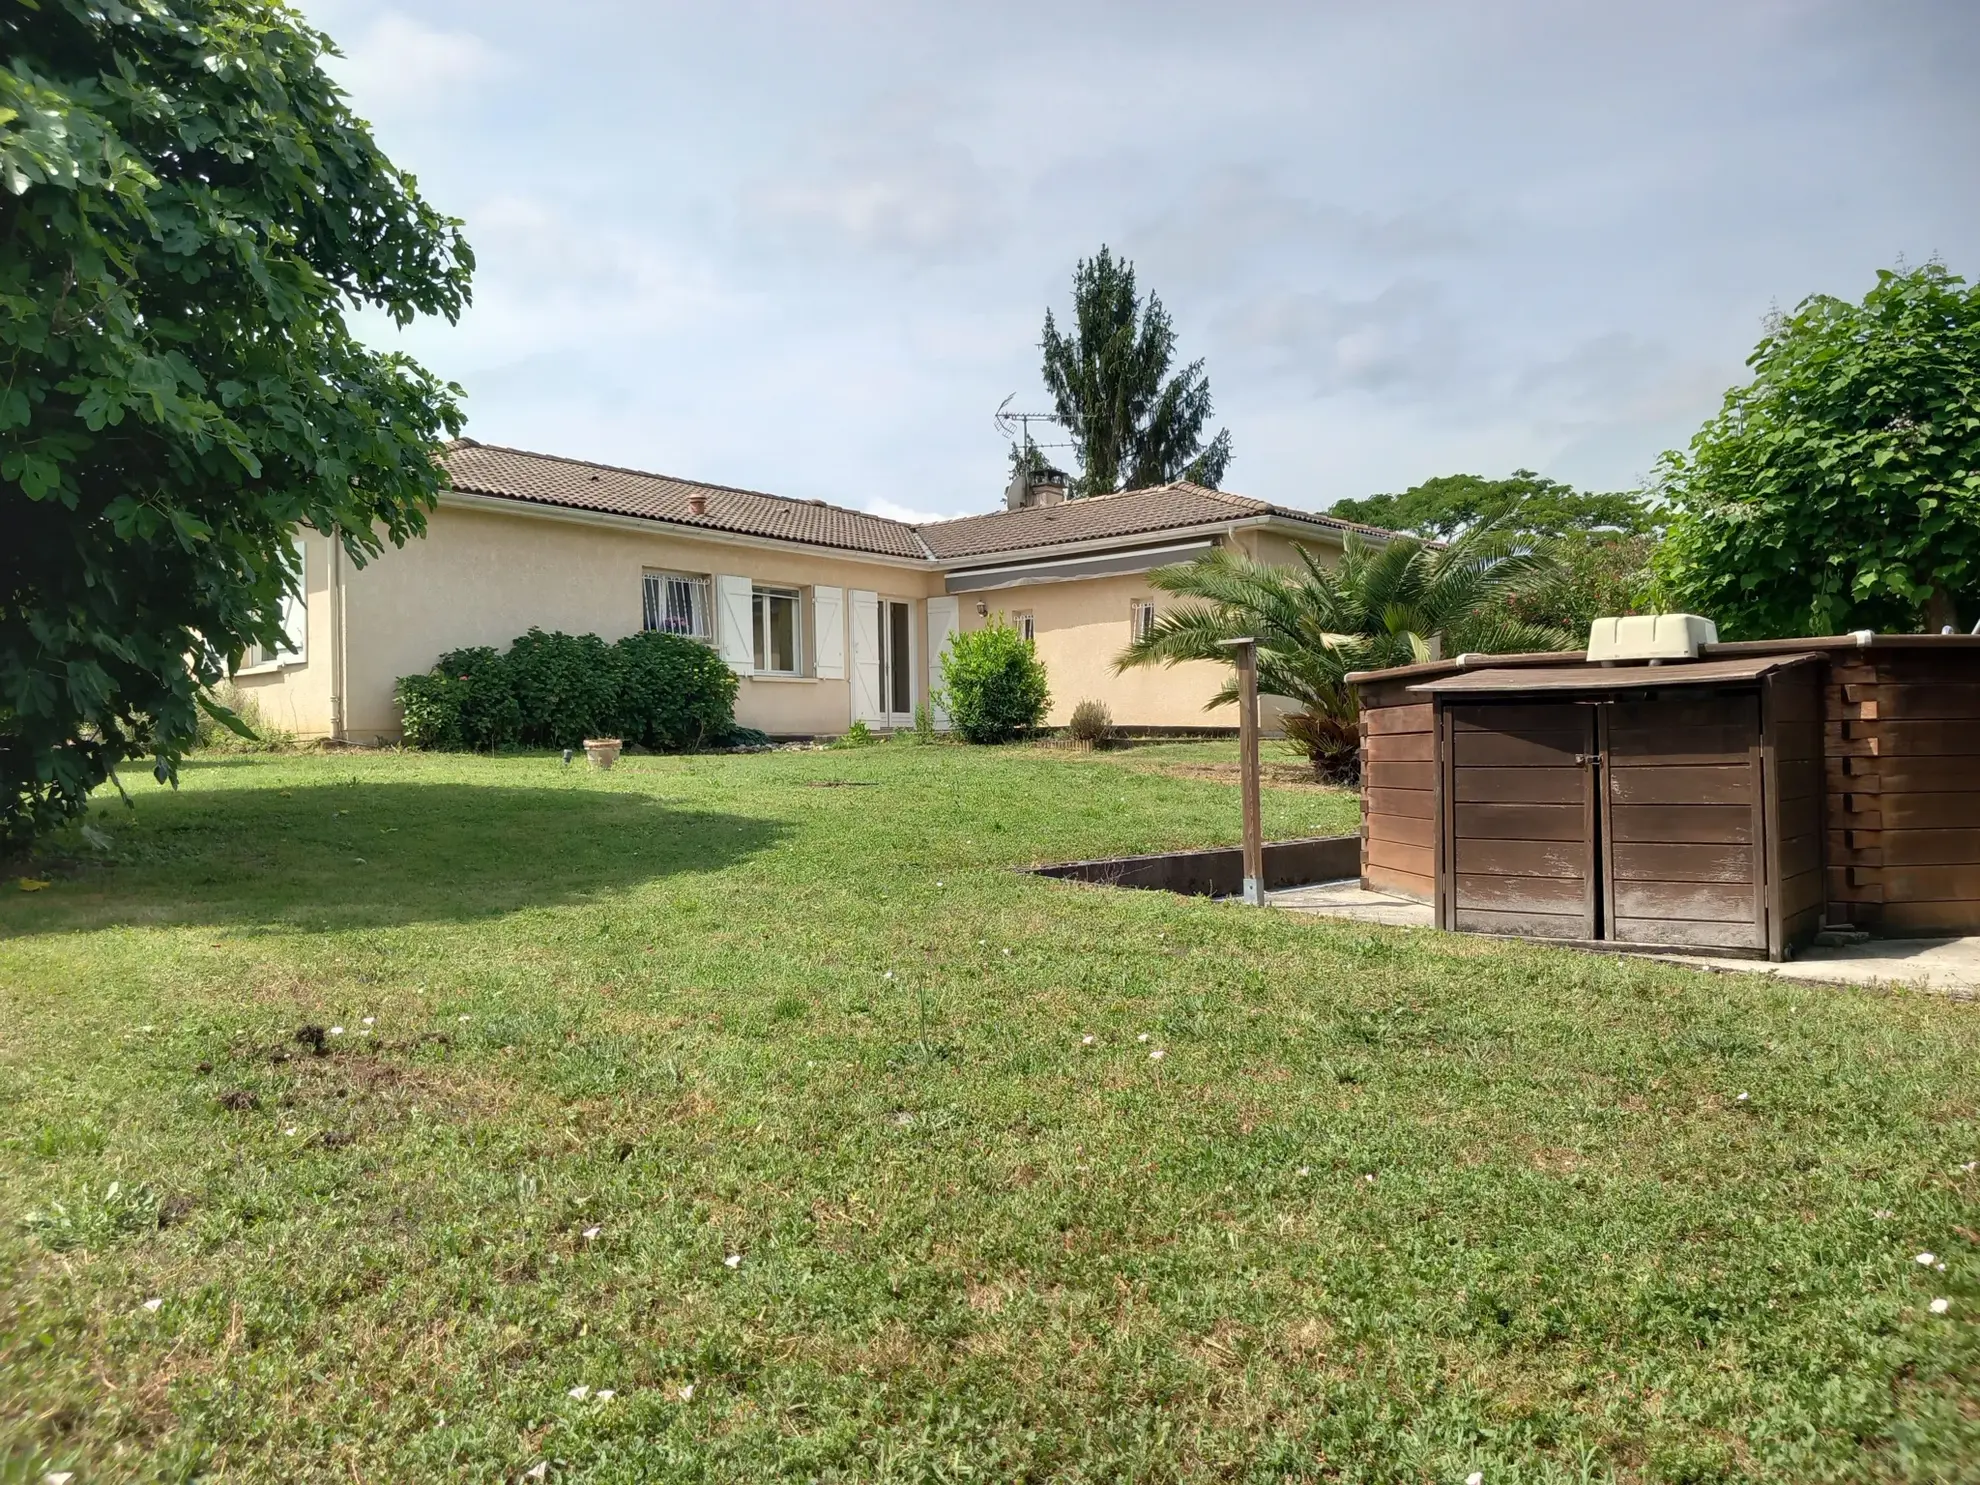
602 751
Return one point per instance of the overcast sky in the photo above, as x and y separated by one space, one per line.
807 248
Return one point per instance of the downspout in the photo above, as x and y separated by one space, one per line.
336 640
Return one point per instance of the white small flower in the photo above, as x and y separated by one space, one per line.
154 1305
580 1392
687 1393
1306 1170
1940 1266
371 1020
58 1477
606 1394
1476 1477
941 884
1369 1178
1940 1305
336 1031
1157 1055
1926 1260
980 943
1087 1040
1143 1037
1882 1214
590 1233
462 1018
538 1471
147 1029
290 1130
1971 1166
888 975
734 1260
1742 1098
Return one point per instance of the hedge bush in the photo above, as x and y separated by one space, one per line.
661 691
675 693
994 684
567 686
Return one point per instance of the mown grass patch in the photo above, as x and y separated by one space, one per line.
1387 1207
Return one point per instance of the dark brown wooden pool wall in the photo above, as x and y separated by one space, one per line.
1398 791
1895 743
1902 774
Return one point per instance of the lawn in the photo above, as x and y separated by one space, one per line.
374 1117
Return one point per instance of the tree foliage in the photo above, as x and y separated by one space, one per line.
1132 423
191 211
1395 604
1840 488
1523 501
993 684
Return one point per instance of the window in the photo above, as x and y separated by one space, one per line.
678 605
1141 619
1025 627
775 612
294 649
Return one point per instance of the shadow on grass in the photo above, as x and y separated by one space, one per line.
364 853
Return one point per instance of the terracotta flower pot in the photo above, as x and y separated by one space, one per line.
602 751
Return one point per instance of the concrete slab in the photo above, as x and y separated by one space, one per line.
1949 966
1347 899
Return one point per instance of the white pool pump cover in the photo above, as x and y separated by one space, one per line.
1650 637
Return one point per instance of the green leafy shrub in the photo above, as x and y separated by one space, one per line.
994 684
567 687
464 704
858 735
215 736
1091 723
661 691
673 693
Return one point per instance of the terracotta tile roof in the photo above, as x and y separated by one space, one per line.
1130 513
545 479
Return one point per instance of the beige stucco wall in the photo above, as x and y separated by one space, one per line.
484 577
1081 625
295 696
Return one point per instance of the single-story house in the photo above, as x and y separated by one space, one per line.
828 615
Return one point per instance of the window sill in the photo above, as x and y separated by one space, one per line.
765 675
270 667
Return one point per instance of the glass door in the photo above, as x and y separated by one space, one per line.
896 663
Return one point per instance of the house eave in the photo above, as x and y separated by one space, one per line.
660 526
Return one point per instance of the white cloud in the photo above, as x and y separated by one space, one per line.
400 65
1402 340
884 183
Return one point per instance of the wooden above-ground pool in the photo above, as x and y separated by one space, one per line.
1736 803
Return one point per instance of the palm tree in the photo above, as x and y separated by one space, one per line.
1404 601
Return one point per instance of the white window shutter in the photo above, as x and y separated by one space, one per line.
944 618
828 628
735 623
865 656
295 614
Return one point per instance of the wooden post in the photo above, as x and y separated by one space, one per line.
1245 654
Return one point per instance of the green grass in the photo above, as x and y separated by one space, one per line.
1390 1207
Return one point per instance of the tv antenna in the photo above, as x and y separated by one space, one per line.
1016 426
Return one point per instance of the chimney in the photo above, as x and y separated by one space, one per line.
1042 486
697 502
